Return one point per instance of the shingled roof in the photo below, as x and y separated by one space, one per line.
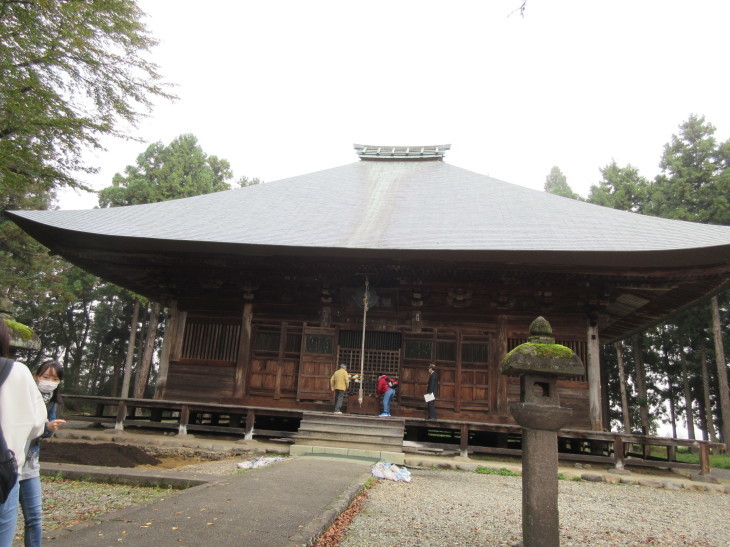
391 206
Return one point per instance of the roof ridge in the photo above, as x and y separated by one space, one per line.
420 152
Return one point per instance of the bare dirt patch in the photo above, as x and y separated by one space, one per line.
101 454
128 455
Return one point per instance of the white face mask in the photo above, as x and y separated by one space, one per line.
47 387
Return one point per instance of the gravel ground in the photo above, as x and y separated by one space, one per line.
442 507
67 502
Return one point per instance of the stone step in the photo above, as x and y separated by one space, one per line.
349 445
349 438
351 431
360 430
352 419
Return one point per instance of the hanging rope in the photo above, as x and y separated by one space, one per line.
362 348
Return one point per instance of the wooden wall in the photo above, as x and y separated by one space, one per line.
290 362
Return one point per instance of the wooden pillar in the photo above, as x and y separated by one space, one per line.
121 414
622 387
457 379
244 350
280 360
722 380
501 380
464 441
184 420
169 340
593 368
250 420
130 351
704 459
618 452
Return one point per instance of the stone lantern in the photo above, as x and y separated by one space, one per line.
539 363
21 336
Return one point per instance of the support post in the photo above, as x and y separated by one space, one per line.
184 419
540 518
121 414
171 333
250 419
464 441
244 349
130 351
704 459
618 452
594 376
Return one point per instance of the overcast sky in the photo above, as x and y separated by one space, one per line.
283 88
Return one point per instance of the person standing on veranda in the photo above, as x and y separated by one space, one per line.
23 417
432 391
339 383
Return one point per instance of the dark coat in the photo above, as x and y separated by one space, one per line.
433 383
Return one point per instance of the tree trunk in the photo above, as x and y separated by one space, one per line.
721 371
687 399
143 370
641 384
707 402
622 387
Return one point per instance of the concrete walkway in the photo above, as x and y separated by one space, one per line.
286 503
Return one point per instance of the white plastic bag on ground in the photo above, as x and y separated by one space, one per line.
391 472
259 462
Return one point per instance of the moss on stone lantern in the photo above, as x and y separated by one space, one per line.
21 336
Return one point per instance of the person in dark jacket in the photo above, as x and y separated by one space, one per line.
432 390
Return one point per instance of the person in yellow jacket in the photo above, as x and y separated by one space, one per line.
339 382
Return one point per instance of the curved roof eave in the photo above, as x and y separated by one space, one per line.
60 240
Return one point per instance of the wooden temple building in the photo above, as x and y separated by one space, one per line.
266 284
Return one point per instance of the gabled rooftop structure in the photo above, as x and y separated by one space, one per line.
460 263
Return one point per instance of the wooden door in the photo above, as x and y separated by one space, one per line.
275 361
317 364
475 384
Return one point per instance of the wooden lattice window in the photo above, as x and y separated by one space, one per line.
207 340
418 349
475 350
375 362
319 344
425 347
267 339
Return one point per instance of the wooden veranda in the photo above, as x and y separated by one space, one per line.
437 437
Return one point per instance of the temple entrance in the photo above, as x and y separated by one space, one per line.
382 355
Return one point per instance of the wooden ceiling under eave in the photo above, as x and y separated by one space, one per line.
624 300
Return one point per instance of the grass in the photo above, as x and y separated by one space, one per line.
502 472
719 461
